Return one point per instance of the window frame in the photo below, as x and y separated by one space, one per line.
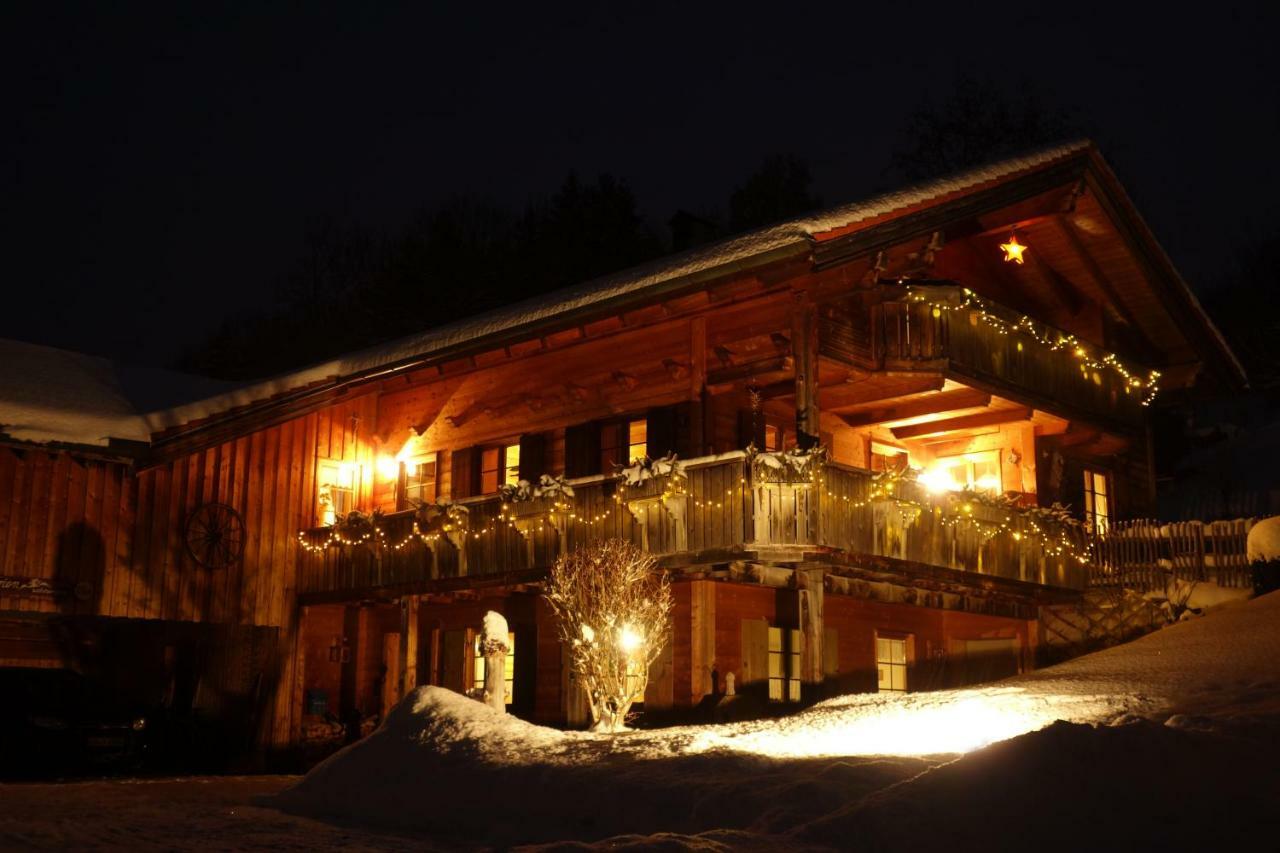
783 663
328 517
618 432
901 667
504 473
969 464
403 498
1092 516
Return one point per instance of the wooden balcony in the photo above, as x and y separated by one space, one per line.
724 511
938 328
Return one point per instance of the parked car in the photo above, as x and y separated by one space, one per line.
56 721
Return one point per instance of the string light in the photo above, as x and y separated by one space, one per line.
1091 366
955 509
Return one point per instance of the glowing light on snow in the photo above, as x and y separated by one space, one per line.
629 640
914 724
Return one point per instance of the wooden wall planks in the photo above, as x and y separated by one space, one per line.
75 520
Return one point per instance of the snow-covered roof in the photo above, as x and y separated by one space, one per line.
772 241
50 395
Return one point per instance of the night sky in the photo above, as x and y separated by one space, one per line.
161 163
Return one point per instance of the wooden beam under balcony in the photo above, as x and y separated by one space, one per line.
880 386
939 403
750 370
995 417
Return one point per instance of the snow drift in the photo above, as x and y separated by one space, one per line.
1141 719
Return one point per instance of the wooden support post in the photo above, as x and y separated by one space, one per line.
804 346
408 644
697 386
458 538
702 645
810 586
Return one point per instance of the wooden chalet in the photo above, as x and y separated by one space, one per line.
957 387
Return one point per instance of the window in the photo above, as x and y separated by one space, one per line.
886 457
891 664
336 484
508 674
418 476
772 438
637 439
784 665
1097 500
978 471
499 466
634 433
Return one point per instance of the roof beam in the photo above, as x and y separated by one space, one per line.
942 401
982 419
1075 242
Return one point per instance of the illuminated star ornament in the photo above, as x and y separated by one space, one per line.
1013 249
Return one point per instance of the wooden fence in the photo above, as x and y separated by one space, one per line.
1145 555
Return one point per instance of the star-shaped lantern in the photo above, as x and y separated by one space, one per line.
1013 249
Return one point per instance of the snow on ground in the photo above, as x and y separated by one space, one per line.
1156 732
1264 540
200 813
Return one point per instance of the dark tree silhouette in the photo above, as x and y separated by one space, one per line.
778 190
1242 304
353 287
976 123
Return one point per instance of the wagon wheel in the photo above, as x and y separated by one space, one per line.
215 536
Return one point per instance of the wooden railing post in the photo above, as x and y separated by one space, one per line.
804 349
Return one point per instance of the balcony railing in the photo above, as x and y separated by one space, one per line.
941 327
726 505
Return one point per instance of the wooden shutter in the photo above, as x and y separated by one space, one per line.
660 438
454 651
750 429
669 430
755 652
464 468
612 438
830 652
1071 492
582 450
533 456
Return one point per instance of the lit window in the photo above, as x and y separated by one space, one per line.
978 471
772 438
784 665
891 664
637 439
886 457
511 464
335 489
499 466
622 443
419 480
508 673
1097 500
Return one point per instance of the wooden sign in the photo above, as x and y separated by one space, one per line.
39 587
